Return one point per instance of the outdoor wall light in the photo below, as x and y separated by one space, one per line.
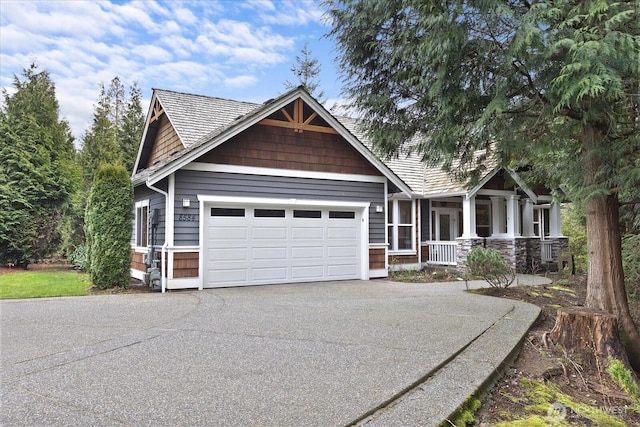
379 208
186 203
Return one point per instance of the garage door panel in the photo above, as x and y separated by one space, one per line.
307 252
276 274
229 276
228 254
269 253
342 233
301 245
308 272
307 233
269 233
341 271
230 232
342 252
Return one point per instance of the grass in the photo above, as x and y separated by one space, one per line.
40 284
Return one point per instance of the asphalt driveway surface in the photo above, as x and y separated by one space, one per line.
318 354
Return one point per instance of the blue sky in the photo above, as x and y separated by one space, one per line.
234 49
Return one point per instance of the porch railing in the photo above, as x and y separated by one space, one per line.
547 251
442 252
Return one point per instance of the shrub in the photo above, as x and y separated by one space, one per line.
625 379
108 228
490 266
78 258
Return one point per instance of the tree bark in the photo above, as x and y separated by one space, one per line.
605 279
590 333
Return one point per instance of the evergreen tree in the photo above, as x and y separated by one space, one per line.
131 128
108 227
37 171
306 70
550 84
116 130
99 143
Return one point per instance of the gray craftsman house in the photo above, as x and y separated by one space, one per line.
231 193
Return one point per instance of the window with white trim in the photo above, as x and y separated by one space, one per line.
483 218
142 223
401 225
541 221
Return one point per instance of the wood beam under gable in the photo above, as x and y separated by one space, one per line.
298 122
157 112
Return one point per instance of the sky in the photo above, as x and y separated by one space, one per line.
235 49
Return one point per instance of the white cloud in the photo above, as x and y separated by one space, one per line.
213 48
152 53
240 81
185 16
260 4
294 13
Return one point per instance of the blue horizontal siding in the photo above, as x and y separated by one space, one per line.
189 184
156 201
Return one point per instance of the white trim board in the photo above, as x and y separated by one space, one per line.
231 200
249 170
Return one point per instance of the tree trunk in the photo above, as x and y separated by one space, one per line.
605 279
590 333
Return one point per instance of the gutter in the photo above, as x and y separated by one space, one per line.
165 244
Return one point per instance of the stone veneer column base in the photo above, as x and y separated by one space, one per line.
521 253
464 247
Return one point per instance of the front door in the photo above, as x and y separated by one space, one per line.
444 224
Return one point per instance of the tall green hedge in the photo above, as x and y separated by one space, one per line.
108 228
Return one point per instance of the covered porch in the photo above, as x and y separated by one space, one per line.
524 227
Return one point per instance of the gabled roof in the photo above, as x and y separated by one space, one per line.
217 120
424 180
194 116
204 122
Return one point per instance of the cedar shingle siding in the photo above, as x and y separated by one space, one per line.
275 147
166 143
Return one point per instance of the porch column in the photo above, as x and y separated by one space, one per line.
527 218
497 214
555 223
469 217
513 217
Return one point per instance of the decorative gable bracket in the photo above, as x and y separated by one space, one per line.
157 112
298 122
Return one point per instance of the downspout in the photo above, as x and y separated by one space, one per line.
165 244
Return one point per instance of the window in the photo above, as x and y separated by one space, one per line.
342 215
401 227
307 214
483 218
541 221
142 223
268 213
227 212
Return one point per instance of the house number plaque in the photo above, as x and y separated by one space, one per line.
187 217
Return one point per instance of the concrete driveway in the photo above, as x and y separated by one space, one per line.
317 354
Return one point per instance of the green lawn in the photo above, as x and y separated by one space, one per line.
38 284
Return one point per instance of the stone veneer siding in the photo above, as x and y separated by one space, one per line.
463 248
523 254
534 255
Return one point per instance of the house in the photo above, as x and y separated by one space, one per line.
231 193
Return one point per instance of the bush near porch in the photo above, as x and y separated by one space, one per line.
490 266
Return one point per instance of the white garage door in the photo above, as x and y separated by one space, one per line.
280 244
